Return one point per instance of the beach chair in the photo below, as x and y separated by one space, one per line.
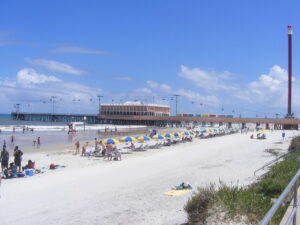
138 148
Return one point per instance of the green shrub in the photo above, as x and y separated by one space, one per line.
252 201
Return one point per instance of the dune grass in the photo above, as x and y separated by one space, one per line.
251 202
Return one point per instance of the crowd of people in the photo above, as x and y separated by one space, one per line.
107 151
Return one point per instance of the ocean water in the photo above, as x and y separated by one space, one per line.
49 133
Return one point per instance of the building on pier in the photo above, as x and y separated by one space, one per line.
135 109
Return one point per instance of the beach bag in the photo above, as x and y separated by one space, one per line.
52 167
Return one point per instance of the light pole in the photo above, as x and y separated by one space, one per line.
99 98
84 119
53 103
176 101
17 106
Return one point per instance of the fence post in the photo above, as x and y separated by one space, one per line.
295 201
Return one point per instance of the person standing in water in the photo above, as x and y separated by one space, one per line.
38 142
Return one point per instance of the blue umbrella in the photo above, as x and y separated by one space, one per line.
128 138
143 138
186 133
158 136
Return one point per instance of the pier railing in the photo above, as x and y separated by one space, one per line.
291 187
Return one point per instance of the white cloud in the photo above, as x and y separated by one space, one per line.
163 87
270 89
75 49
28 77
33 87
55 66
209 81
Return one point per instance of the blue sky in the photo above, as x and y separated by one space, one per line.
229 55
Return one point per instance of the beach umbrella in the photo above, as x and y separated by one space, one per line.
158 136
192 133
142 138
128 139
169 135
110 141
177 134
204 130
185 133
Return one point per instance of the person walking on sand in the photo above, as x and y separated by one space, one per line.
77 146
4 158
283 135
38 142
96 142
103 147
109 148
12 139
18 157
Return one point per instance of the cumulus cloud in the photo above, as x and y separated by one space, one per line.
75 49
209 81
28 77
36 88
269 89
55 66
163 87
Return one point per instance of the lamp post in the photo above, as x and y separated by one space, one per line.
176 101
53 104
84 119
99 98
17 106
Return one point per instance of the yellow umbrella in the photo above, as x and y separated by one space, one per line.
158 136
128 138
263 131
143 138
110 141
177 134
169 136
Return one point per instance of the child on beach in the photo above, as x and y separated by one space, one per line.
109 149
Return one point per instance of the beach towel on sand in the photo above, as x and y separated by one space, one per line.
177 192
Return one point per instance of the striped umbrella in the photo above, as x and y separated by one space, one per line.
158 136
142 138
169 136
128 139
185 133
110 141
204 130
177 134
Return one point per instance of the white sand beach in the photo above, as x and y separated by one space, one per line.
131 191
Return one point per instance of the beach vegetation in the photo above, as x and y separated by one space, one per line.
250 203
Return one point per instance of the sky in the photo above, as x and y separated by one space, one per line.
220 57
